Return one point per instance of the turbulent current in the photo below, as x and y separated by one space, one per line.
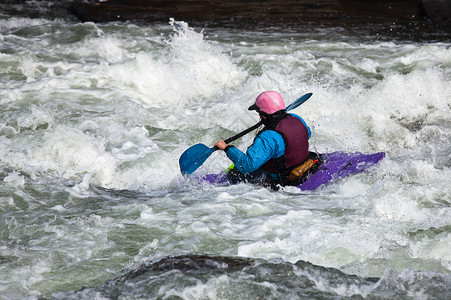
93 120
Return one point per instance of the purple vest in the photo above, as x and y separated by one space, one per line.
295 135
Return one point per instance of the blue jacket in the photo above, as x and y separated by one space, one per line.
269 144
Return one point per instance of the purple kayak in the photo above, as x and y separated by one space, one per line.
335 165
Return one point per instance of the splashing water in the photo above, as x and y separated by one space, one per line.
95 116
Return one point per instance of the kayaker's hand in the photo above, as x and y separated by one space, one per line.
220 145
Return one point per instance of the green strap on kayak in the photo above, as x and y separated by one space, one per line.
230 168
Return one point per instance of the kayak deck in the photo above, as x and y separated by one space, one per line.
336 165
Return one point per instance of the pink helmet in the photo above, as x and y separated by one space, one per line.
268 102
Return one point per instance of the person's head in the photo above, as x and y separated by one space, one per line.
269 105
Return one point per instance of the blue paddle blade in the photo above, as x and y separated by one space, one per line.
299 101
193 158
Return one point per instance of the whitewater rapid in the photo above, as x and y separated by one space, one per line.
95 116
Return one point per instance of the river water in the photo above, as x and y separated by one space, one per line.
94 118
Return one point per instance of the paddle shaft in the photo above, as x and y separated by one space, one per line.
242 133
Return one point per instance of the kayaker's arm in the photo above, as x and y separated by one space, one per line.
267 145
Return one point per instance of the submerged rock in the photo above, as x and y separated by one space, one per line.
222 277
204 276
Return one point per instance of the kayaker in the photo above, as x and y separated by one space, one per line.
280 152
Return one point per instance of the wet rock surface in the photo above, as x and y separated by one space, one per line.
226 277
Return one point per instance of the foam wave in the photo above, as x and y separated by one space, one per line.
187 70
16 22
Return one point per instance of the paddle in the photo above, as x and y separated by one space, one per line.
196 155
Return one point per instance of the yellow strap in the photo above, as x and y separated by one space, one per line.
298 172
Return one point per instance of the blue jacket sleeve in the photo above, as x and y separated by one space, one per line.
269 144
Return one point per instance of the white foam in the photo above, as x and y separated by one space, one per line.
16 22
14 179
70 153
187 70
